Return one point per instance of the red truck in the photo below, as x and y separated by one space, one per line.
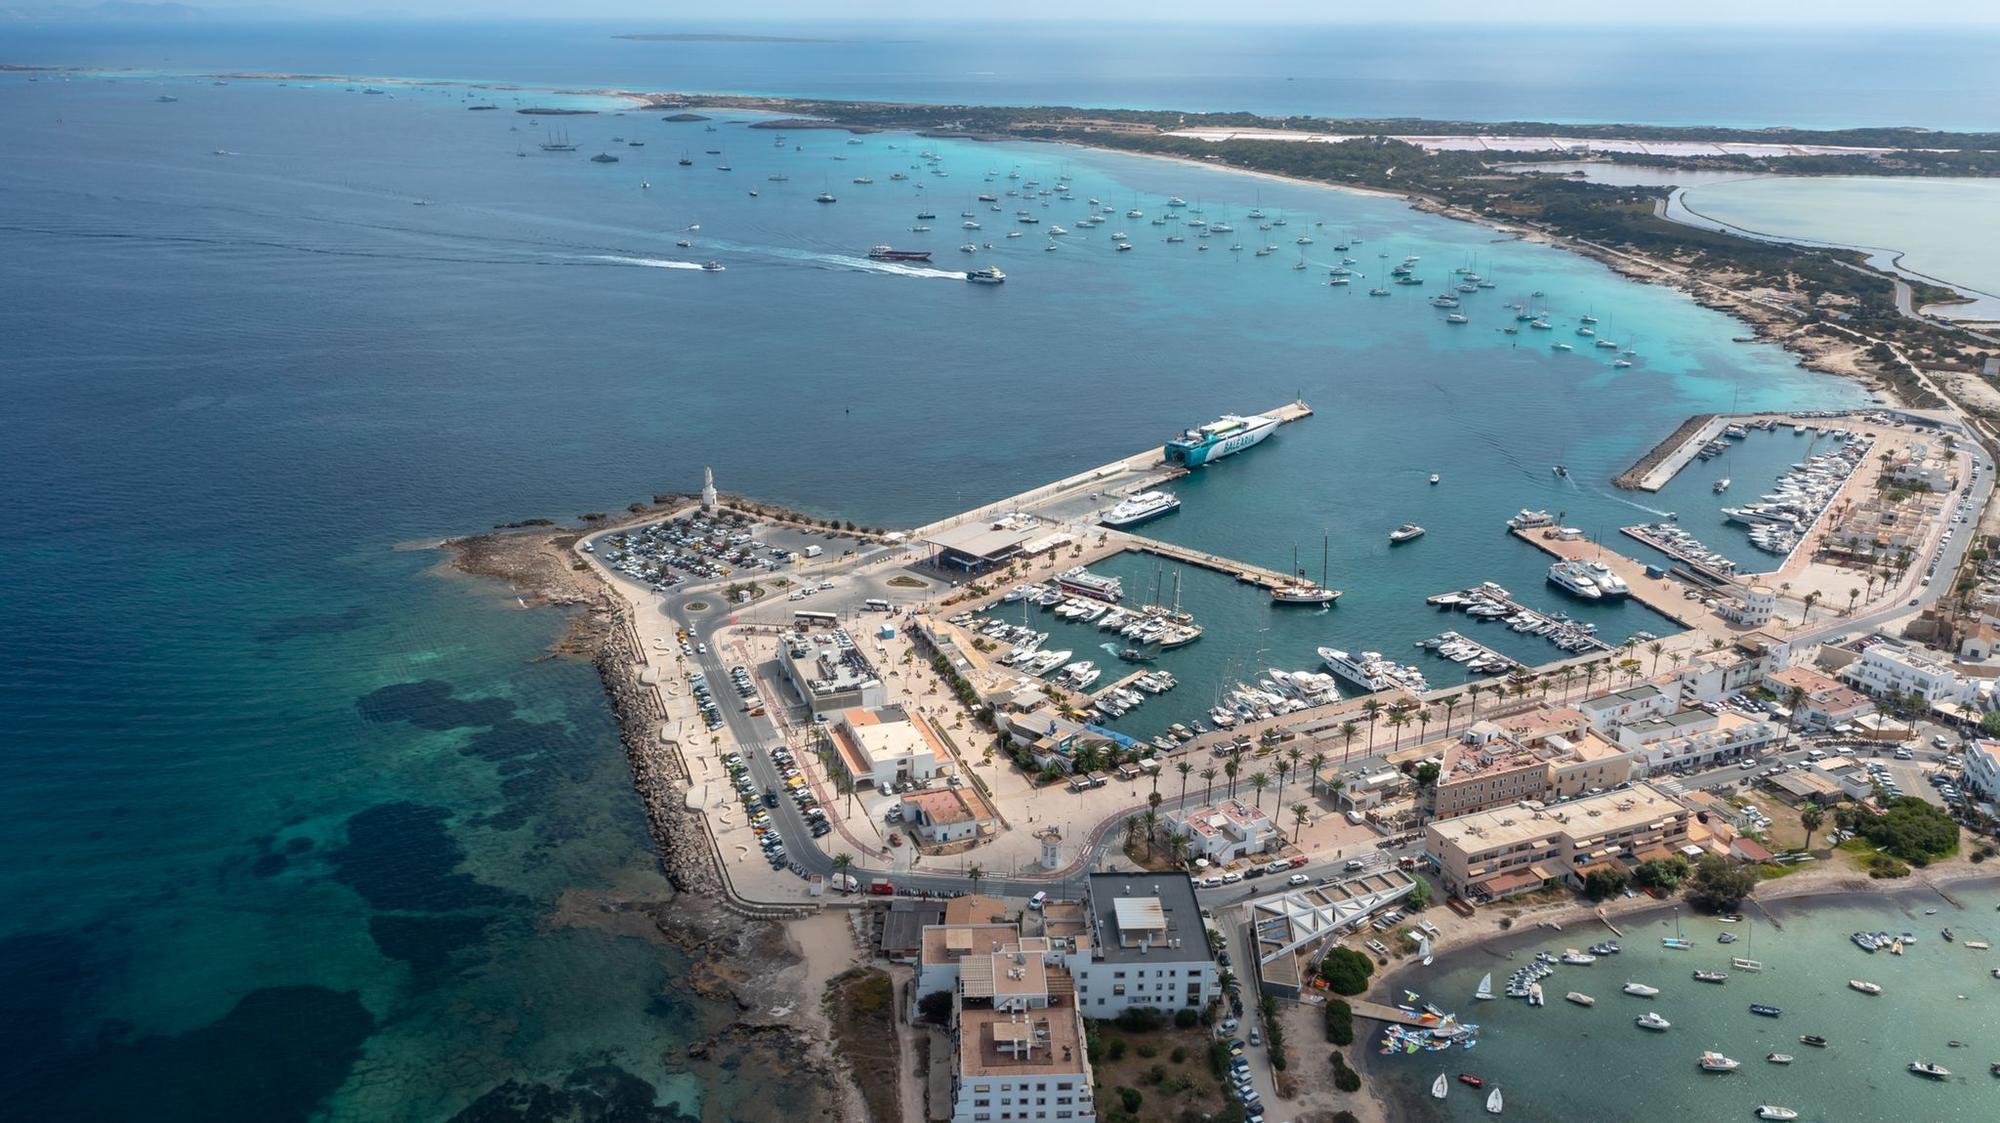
882 887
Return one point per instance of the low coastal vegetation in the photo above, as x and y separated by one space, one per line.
861 1006
1909 829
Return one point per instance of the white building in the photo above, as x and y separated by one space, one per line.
887 746
1607 712
943 815
1750 605
1225 832
1982 768
1887 668
1727 737
1146 946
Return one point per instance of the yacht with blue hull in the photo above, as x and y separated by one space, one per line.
1217 439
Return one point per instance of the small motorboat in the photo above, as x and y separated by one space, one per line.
1773 1111
1434 479
1580 998
1726 938
1932 1071
1470 1080
1864 986
1641 989
1812 1039
1651 1020
1779 1058
1763 1011
1712 1061
1711 977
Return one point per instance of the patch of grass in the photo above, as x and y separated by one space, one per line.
1129 1059
905 581
697 606
861 1004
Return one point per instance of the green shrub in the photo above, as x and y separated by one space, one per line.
1185 1017
1179 1055
1130 1099
1344 1078
1116 1050
1147 1051
1140 1019
1339 1022
1346 971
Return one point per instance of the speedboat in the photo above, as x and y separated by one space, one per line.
1712 1061
1470 1080
1813 1039
1778 1058
1934 1071
1651 1020
1762 1010
1641 989
1711 976
1864 986
1773 1111
1407 531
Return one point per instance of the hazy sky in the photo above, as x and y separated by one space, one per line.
1806 14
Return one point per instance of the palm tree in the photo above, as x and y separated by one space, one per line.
1230 769
1812 598
1423 723
1656 647
1450 703
1177 847
1184 768
1300 813
1568 675
1284 770
841 863
1347 731
1333 787
1811 818
1852 596
1318 762
1590 672
1373 709
1676 658
973 875
1151 818
1260 780
1397 720
1208 780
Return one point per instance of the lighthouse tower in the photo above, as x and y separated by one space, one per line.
707 488
1051 838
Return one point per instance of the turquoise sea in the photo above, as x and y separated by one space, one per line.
1563 1061
294 815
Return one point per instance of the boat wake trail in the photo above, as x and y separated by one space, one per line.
866 265
644 262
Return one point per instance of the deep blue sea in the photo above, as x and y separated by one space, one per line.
289 817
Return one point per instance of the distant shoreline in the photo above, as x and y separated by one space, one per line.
693 37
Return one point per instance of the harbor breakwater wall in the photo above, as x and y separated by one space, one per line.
688 851
1634 478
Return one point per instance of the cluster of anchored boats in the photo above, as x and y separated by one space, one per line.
1284 692
1476 657
1488 602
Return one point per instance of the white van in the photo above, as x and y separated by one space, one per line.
813 551
1038 900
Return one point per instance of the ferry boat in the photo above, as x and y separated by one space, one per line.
1609 584
1223 437
1529 520
885 253
1084 583
1143 507
1570 577
986 276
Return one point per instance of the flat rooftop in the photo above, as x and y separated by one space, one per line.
1638 805
1139 916
1016 1044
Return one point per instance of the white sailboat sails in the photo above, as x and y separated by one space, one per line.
1485 990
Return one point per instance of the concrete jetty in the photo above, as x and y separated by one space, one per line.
1242 571
1657 593
1137 472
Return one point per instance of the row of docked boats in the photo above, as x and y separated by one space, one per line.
1474 657
1675 541
1490 603
1778 518
1893 943
1118 701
